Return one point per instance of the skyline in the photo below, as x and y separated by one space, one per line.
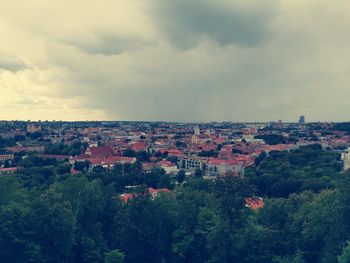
169 122
160 60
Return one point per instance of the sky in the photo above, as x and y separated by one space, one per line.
175 60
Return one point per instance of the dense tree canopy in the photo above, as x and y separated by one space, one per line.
49 215
61 149
343 126
282 173
272 139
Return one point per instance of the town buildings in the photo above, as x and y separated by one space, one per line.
214 149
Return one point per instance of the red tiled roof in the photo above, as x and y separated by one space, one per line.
254 203
139 146
101 151
126 197
147 166
165 164
10 169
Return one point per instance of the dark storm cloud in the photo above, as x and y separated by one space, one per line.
187 23
109 44
193 60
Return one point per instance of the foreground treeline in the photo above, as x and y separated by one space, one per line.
47 215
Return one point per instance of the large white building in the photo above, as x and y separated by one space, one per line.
168 167
345 156
216 167
191 163
211 166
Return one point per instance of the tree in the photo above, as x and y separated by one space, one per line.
180 144
297 258
308 168
144 227
272 139
210 153
114 256
98 169
63 168
237 151
181 176
345 256
81 165
165 182
230 192
197 216
47 215
53 226
198 173
35 135
88 201
129 153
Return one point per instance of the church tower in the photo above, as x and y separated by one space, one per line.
197 131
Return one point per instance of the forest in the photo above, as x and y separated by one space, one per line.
50 215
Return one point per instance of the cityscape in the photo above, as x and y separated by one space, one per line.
211 149
137 178
174 131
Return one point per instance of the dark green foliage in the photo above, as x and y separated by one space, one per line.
198 173
343 126
180 144
145 228
272 139
4 142
34 135
81 165
282 173
237 151
345 256
35 161
141 156
63 168
181 176
48 215
61 149
210 153
19 138
34 228
114 256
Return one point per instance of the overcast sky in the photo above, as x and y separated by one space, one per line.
175 60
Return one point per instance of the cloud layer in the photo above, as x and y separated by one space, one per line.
188 23
242 60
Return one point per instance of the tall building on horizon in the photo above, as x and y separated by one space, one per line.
302 119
